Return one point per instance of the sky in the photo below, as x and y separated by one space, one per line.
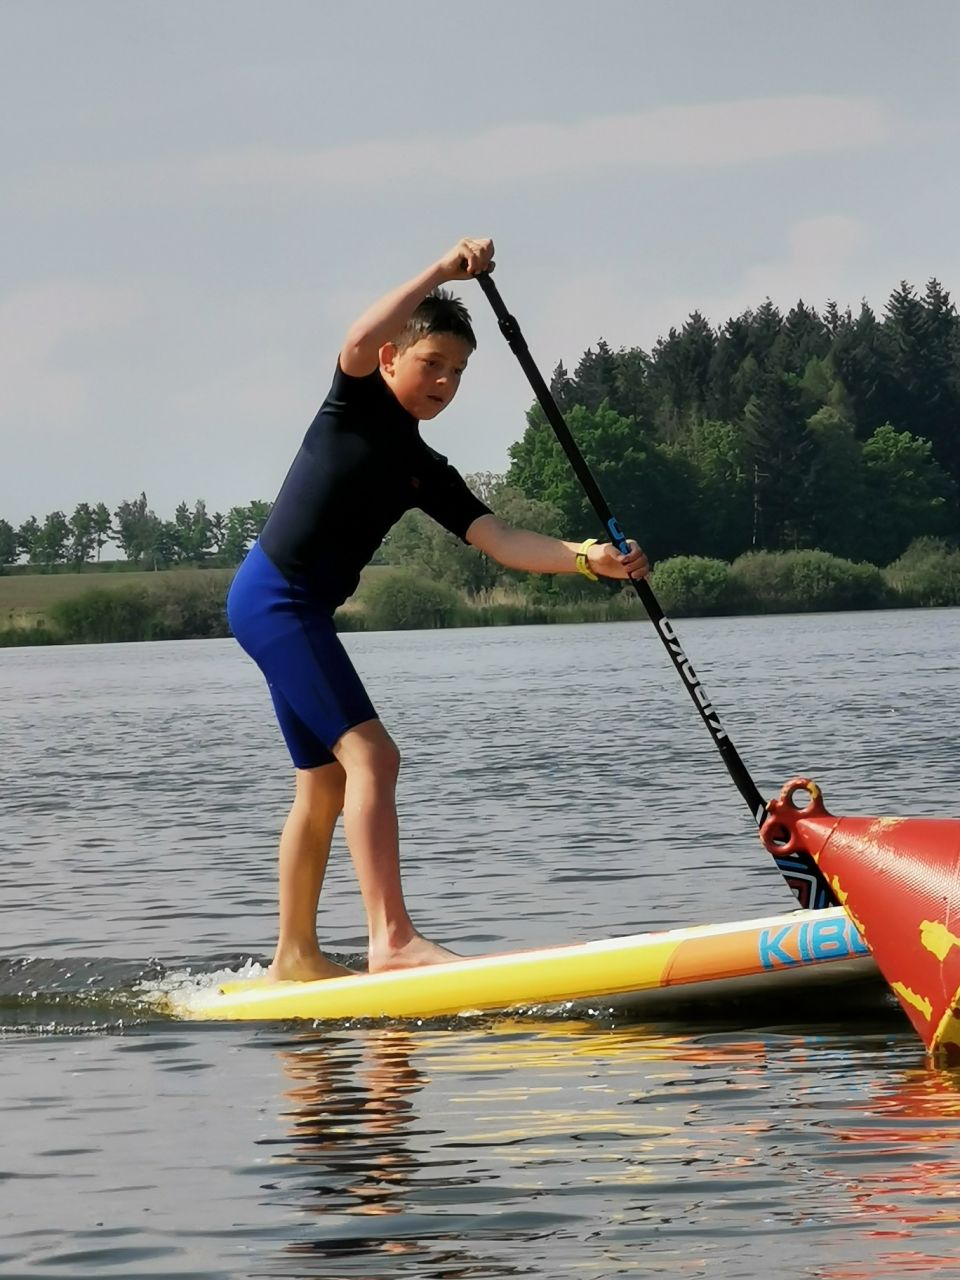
198 196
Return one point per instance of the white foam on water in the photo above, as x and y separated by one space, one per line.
177 986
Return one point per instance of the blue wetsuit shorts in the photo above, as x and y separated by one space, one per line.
316 691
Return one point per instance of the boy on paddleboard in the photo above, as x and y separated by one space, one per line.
362 464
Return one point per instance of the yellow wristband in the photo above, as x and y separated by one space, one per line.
582 566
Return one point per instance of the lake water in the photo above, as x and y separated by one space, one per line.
557 786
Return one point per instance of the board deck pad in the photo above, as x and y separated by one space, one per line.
796 949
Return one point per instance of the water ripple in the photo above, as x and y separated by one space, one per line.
142 794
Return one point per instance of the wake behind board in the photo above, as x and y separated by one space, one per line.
819 950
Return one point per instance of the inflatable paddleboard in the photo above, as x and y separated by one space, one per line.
801 950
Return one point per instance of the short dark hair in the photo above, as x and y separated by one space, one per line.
439 312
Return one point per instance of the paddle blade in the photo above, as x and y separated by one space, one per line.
899 881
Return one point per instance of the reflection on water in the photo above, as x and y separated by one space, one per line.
433 1152
351 1118
355 1152
908 1141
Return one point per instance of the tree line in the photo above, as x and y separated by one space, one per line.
193 536
773 432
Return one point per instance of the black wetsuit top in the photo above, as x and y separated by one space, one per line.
362 464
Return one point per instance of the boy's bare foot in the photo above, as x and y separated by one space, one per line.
294 967
414 954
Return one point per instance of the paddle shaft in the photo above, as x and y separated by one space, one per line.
799 870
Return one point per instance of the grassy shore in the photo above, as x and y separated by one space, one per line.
30 596
174 604
29 603
189 603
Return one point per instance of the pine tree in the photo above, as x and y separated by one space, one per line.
218 528
680 376
765 325
921 339
803 337
595 378
835 319
780 449
859 358
633 398
562 387
943 353
725 400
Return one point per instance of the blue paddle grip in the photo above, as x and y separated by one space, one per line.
616 535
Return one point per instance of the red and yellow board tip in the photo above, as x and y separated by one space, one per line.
898 879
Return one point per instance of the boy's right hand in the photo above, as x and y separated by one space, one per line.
467 258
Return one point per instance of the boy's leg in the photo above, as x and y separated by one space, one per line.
317 693
371 763
304 849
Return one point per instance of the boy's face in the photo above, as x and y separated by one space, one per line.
425 376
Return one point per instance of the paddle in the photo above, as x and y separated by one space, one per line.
798 868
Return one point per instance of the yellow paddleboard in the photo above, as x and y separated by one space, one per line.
753 957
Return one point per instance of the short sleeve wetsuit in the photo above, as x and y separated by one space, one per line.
362 464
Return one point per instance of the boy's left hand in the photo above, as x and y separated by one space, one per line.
607 561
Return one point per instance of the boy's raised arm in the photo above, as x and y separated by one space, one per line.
360 353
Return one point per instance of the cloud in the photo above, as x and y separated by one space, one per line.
107 391
819 261
707 135
821 258
675 137
38 376
816 267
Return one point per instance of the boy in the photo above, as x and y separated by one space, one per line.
361 466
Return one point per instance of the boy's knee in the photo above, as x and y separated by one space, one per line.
369 749
385 759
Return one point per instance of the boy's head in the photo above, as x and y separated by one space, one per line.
423 364
439 312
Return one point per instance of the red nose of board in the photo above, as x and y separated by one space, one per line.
899 881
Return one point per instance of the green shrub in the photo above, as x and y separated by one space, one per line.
555 588
40 633
101 616
191 608
805 582
517 610
508 613
690 586
928 573
350 620
406 601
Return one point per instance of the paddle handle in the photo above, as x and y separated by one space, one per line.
798 869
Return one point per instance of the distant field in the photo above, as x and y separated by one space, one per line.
24 597
34 593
